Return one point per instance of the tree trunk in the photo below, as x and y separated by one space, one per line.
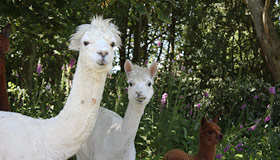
29 53
267 35
137 41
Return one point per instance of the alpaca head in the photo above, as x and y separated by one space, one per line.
4 40
140 82
210 132
95 42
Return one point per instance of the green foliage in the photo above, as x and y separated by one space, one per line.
205 46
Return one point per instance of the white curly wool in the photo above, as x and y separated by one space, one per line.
113 137
58 138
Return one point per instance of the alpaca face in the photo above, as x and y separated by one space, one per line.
95 42
210 132
98 50
140 82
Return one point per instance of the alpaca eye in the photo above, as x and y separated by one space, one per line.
86 43
112 44
210 132
149 84
130 84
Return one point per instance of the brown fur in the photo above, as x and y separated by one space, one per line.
209 137
4 47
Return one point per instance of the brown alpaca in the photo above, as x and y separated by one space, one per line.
209 137
4 47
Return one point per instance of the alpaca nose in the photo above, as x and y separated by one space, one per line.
138 93
103 53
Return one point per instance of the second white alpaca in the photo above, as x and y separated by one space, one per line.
58 138
113 137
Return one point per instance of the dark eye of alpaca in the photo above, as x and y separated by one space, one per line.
112 44
86 43
210 132
130 84
149 84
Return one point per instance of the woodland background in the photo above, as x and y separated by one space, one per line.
216 57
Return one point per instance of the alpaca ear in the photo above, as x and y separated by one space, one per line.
203 121
127 67
153 69
75 40
216 119
6 30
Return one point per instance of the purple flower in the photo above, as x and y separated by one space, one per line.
159 43
126 90
183 68
188 105
39 69
62 68
206 94
146 62
72 62
164 98
268 106
239 145
219 156
191 112
272 90
241 126
256 97
243 106
181 97
173 60
253 127
47 106
267 118
189 70
227 147
198 105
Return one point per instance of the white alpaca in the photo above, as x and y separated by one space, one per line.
58 138
113 137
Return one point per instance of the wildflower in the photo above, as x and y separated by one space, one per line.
183 68
198 106
181 97
206 94
272 90
268 106
267 118
191 112
39 69
62 68
256 97
146 62
243 106
48 86
172 61
219 156
226 149
47 107
241 126
164 98
189 70
253 127
72 62
159 43
126 90
238 146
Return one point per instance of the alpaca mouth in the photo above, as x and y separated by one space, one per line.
141 99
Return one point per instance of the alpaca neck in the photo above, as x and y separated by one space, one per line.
130 123
205 152
74 123
4 104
